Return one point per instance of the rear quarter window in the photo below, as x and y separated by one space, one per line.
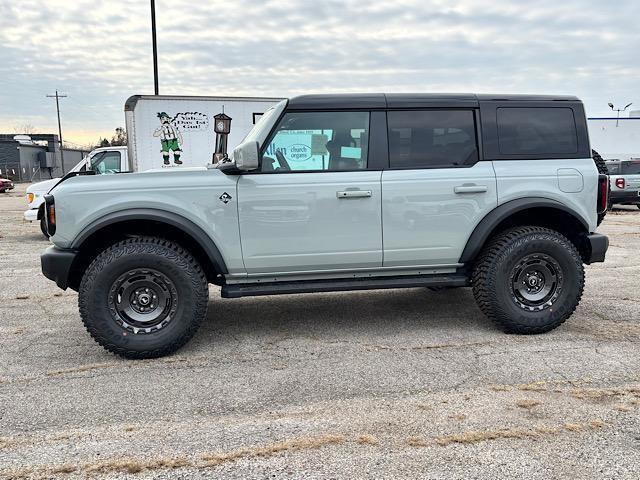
536 131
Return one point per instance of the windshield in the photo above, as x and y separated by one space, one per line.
261 129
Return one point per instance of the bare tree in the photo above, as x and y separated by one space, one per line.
25 129
120 138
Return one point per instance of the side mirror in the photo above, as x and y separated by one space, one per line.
246 156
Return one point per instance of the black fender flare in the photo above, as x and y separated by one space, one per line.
488 224
161 216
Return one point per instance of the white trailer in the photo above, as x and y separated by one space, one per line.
615 139
162 129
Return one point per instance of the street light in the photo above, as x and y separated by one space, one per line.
619 110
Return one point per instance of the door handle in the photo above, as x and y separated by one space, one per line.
470 189
354 194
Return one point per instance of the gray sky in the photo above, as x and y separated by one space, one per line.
99 53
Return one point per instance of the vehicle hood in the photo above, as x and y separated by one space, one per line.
42 187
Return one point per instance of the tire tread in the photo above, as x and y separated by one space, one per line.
147 245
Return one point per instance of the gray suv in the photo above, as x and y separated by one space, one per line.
342 192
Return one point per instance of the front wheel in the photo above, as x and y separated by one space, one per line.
528 280
143 298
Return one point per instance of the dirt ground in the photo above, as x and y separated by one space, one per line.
381 384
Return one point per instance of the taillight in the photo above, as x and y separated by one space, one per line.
50 214
620 183
603 193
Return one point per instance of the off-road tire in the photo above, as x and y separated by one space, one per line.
492 279
602 169
43 227
168 260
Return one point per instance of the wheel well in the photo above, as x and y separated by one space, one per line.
115 232
548 217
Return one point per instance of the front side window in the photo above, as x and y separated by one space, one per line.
432 138
106 163
536 131
318 141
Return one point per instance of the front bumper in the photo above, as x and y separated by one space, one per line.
598 245
31 215
624 196
56 265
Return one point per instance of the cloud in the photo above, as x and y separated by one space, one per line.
99 53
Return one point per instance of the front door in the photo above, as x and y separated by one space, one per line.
436 190
313 205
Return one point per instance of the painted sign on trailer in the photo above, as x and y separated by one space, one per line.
176 131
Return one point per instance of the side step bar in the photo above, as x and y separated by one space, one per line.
342 284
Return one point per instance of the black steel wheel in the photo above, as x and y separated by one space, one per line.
528 279
536 282
143 297
143 300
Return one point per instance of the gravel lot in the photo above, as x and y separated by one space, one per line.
382 384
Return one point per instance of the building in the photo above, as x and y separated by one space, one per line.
31 158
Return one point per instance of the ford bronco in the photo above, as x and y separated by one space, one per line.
499 193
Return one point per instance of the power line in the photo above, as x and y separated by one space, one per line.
57 96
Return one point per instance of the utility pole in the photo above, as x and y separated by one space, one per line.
58 96
155 46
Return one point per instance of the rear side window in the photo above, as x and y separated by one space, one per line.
536 131
432 138
631 167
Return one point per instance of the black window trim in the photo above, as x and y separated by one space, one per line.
491 147
477 128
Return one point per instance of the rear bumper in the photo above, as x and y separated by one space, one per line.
598 247
56 265
624 196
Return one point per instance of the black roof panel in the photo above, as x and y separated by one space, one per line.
408 100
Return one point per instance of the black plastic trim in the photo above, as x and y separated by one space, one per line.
487 225
56 264
160 216
599 245
48 203
622 197
343 284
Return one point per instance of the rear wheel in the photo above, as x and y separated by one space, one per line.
528 280
143 298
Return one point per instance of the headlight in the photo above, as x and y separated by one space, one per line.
30 197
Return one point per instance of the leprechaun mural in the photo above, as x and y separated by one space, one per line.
170 139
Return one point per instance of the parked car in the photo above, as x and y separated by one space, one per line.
624 176
342 192
5 185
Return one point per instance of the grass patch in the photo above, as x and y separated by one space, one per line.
81 368
367 439
416 442
477 436
528 404
213 459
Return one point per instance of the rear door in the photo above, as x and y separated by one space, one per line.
315 204
436 190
